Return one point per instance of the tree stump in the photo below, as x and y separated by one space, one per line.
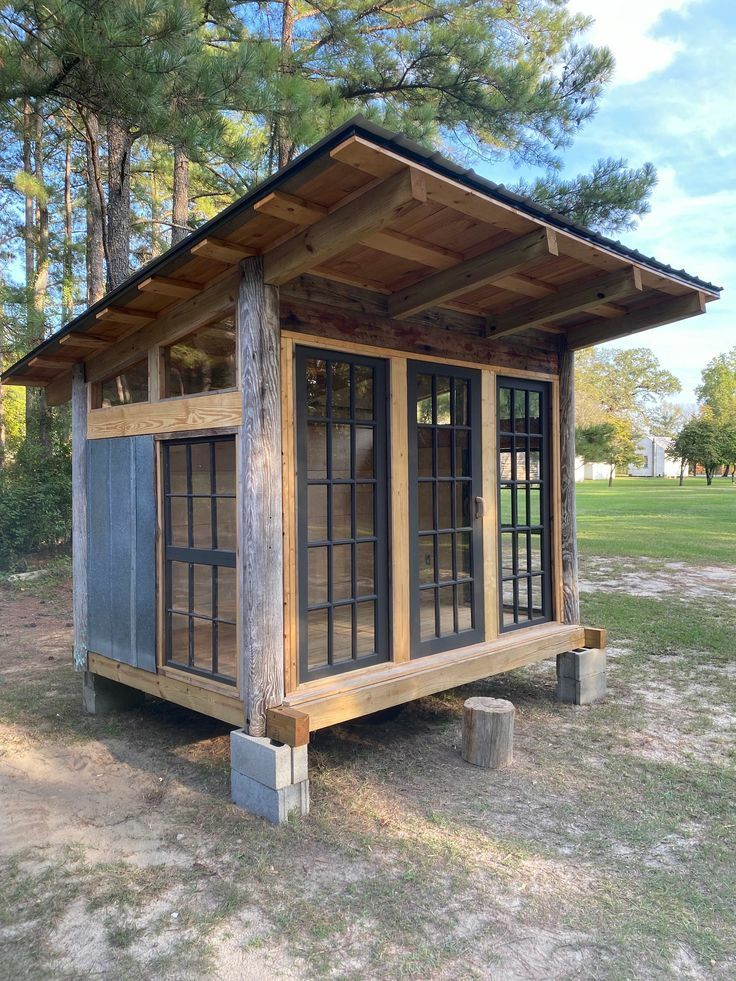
488 732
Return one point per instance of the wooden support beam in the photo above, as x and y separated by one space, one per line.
596 638
344 227
261 578
29 381
59 391
480 271
289 207
88 341
221 250
665 312
79 516
167 286
287 725
570 612
571 299
122 315
54 359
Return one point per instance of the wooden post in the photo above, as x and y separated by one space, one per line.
570 595
488 732
260 499
79 516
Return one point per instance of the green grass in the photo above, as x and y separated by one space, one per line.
656 518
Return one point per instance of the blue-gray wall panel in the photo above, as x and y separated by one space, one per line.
122 550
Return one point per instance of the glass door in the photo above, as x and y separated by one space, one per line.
445 507
524 502
342 486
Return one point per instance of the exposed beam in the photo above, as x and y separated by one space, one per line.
122 315
221 250
666 312
474 273
166 286
55 360
571 299
344 227
60 389
289 207
88 341
29 380
526 285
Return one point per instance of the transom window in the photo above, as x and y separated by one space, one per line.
203 361
342 520
199 552
125 388
523 473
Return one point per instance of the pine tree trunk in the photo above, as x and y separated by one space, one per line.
29 231
610 476
180 197
284 142
95 254
119 143
67 284
41 281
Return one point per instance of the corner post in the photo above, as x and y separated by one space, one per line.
570 594
260 498
79 515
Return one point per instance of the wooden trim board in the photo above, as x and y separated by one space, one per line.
211 411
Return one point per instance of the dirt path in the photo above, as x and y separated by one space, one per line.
605 852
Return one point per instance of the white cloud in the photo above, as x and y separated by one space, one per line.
625 27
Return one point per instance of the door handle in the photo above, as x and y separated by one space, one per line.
480 507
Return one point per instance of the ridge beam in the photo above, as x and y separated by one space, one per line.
482 270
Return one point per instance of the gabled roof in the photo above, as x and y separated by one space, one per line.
371 208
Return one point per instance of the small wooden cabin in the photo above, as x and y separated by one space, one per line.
323 447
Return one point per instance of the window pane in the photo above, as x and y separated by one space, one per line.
444 504
465 606
519 411
507 517
363 451
365 622
342 497
342 634
128 387
427 627
225 466
424 452
364 524
341 452
316 387
537 602
202 590
203 361
444 554
522 552
317 512
365 585
443 402
202 644
317 568
363 392
535 501
426 505
507 553
202 522
461 402
180 586
179 638
179 521
521 515
201 467
340 390
226 523
464 555
426 558
317 638
447 610
227 650
462 503
536 551
444 453
177 455
342 572
535 413
424 400
227 584
504 410
462 453
316 451
504 469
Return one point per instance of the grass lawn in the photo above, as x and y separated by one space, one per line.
606 851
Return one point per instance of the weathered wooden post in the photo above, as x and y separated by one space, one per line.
79 516
488 732
268 779
570 594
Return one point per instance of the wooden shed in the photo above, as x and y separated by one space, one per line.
323 447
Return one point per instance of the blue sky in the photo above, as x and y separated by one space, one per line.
672 102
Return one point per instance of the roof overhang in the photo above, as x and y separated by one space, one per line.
371 209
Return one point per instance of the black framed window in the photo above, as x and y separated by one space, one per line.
342 512
200 572
524 502
444 482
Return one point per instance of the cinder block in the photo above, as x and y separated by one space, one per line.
580 663
272 764
273 805
587 690
101 695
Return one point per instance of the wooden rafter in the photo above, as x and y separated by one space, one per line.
54 360
665 312
344 227
123 315
572 299
290 207
221 250
482 270
89 342
167 286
